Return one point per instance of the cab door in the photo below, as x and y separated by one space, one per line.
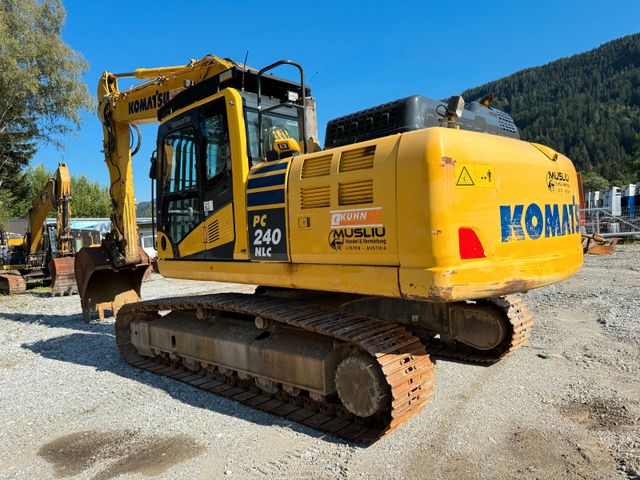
217 188
179 193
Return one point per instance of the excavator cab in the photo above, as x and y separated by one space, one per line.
208 141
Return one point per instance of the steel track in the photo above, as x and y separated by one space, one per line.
520 321
407 369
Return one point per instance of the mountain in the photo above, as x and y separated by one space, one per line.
143 209
586 106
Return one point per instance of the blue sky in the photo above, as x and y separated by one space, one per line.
355 54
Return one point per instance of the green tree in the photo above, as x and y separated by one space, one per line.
593 182
33 180
634 164
40 84
89 199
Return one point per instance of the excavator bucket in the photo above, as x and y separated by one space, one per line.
102 287
11 283
63 276
597 245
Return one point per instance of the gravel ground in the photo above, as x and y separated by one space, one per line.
565 406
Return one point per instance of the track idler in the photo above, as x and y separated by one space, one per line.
104 287
63 276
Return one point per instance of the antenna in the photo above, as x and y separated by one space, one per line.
246 55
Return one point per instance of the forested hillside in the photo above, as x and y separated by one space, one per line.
143 209
586 106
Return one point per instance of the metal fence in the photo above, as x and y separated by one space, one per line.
601 222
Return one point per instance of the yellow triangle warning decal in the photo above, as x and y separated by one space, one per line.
464 179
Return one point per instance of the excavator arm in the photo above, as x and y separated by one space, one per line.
111 275
55 195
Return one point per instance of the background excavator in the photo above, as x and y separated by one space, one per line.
45 255
407 236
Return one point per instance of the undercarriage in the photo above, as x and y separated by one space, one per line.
334 363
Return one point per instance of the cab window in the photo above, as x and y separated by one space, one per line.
270 121
181 209
183 214
180 158
218 155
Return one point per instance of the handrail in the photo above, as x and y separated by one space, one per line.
290 104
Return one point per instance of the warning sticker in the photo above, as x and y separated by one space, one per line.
478 175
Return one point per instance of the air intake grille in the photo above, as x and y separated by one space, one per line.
358 159
506 122
315 197
353 193
213 232
316 167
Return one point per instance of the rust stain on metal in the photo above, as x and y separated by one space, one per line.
448 161
519 285
63 276
12 283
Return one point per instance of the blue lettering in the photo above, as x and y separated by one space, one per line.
552 221
534 229
511 224
566 228
577 223
572 224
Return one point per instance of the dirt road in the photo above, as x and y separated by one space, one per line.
566 406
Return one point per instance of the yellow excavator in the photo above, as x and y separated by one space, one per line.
406 237
45 255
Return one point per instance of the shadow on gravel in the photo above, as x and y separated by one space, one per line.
436 358
73 322
98 349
